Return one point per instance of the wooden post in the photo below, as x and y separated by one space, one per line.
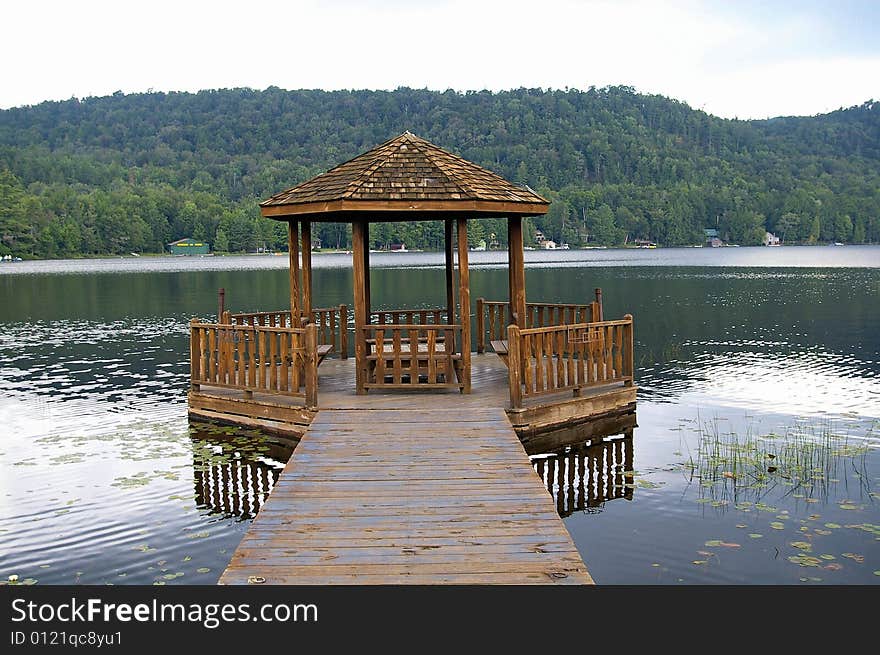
481 326
629 357
368 303
516 263
359 267
464 299
306 270
450 271
599 303
311 365
514 366
343 331
221 303
293 255
195 354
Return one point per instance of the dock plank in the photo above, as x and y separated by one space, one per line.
423 495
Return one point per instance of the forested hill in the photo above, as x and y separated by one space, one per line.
134 172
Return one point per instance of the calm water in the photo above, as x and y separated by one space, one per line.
103 479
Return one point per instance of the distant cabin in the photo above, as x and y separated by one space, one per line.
398 247
547 244
770 239
188 247
712 238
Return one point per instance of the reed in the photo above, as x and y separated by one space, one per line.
804 460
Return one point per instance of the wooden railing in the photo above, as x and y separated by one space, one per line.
332 323
433 316
568 357
275 360
493 317
409 355
263 319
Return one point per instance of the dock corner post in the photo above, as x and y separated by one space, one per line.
311 359
629 360
599 303
481 326
343 331
514 366
195 354
221 303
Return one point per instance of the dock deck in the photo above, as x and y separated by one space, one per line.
421 494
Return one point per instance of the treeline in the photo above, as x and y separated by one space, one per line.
135 172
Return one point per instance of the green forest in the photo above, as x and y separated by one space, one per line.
132 173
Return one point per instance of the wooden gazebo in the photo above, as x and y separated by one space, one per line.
261 369
406 179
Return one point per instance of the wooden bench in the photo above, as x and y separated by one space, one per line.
400 365
323 351
500 348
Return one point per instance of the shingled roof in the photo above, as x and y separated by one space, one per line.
409 175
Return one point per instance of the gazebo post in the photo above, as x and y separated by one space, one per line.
293 255
367 301
360 262
464 299
516 265
450 272
307 270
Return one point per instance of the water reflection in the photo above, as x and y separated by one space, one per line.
234 472
587 465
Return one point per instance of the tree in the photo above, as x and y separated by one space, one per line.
15 231
221 241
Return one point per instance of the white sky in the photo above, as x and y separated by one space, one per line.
746 58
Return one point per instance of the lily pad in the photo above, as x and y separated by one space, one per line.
776 525
855 557
804 560
805 546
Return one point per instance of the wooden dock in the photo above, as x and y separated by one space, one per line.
420 494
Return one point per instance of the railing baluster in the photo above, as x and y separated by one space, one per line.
380 356
539 362
432 363
525 357
413 356
397 377
240 378
283 355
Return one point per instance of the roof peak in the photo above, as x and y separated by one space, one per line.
406 173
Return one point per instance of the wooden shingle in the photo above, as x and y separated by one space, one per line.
406 174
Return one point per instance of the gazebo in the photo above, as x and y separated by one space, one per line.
406 179
261 369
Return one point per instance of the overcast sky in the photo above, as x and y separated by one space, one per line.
746 59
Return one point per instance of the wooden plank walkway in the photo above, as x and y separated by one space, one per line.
408 496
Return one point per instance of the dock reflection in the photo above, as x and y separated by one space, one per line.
583 467
234 470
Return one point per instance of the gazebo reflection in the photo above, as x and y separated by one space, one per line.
583 468
233 471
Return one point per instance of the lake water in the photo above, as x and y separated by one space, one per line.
103 479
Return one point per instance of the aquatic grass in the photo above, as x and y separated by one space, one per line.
804 461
